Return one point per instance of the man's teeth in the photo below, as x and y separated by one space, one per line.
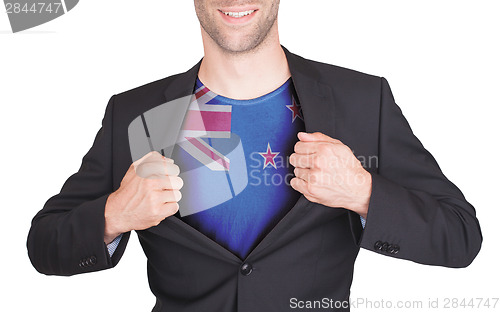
239 14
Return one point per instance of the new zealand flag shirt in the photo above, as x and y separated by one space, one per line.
233 159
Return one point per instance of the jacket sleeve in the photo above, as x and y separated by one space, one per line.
67 236
415 212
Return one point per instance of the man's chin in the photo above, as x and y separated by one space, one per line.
239 45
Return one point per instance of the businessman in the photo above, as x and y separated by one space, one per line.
272 203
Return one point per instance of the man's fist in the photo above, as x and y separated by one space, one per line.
327 172
148 193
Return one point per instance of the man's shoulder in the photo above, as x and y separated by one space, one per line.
335 76
349 86
151 89
135 101
335 72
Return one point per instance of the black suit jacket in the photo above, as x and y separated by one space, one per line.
415 212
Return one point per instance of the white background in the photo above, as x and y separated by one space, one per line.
440 58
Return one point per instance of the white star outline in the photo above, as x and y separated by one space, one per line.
269 151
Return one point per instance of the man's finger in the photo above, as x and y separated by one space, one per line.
171 196
305 147
172 183
298 184
302 160
301 186
146 156
301 173
311 147
157 169
316 136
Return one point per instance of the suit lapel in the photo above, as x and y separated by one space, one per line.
318 108
182 84
315 98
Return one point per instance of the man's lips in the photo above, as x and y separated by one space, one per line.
237 15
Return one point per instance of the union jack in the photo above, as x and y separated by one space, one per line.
205 121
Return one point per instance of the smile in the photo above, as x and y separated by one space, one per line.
239 14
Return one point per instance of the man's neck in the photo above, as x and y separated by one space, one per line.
244 76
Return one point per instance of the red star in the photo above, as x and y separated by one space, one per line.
269 157
296 110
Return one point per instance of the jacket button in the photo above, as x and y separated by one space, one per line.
83 263
246 269
384 246
378 245
390 249
395 249
93 260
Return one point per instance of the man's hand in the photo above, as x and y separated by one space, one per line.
148 193
327 172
